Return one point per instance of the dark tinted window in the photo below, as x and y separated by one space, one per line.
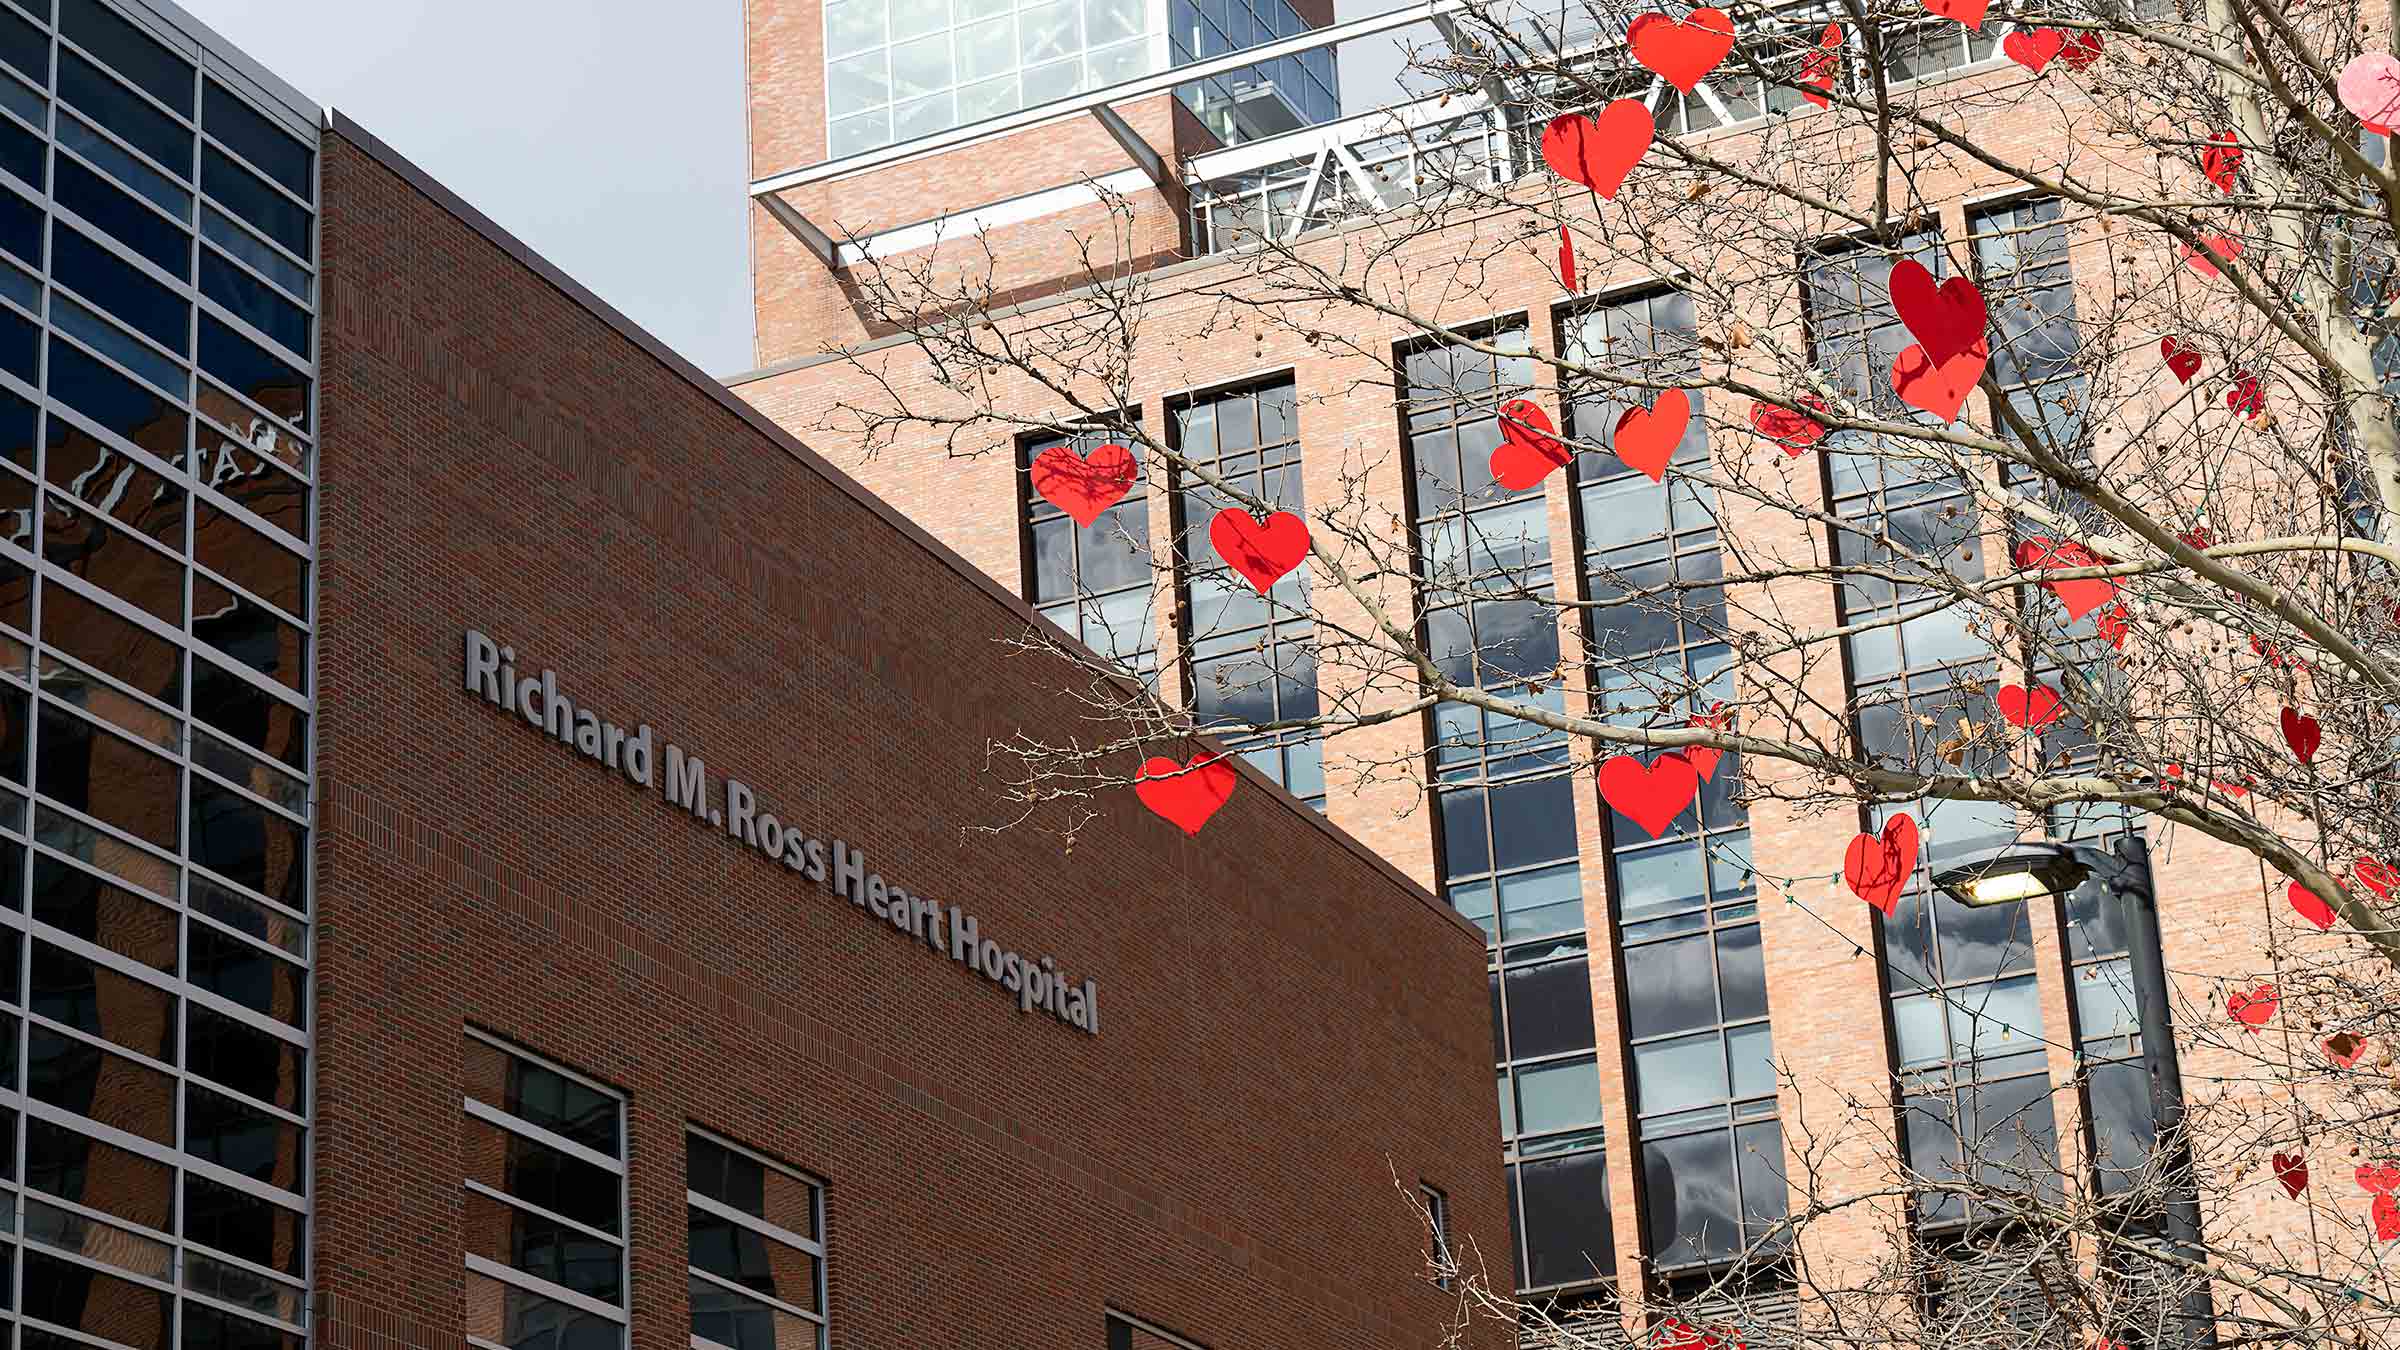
247 368
79 902
242 1224
1566 1220
21 228
254 302
249 714
254 138
21 152
120 288
245 1059
143 127
26 47
107 1003
248 196
241 1138
230 968
19 344
205 1328
81 1297
134 225
129 51
118 404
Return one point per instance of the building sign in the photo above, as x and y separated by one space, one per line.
491 673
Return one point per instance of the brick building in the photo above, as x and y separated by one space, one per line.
496 842
1642 993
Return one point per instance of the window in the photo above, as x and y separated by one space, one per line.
545 1204
1437 1228
1267 99
2021 266
1965 1015
757 1250
1251 659
899 69
1127 1332
1093 580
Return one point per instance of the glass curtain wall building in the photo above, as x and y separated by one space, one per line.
157 370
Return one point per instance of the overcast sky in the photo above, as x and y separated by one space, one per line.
607 134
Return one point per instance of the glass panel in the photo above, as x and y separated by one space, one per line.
280 155
522 1320
540 1175
544 1248
1565 1215
1679 1074
1558 1096
1550 1009
129 51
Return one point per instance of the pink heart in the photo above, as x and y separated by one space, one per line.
2370 89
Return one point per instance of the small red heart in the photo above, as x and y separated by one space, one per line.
2184 361
2386 1212
1676 1334
1681 52
2082 51
2303 734
2376 876
2032 709
2114 624
2344 1048
2222 160
1878 869
1083 486
1941 390
2292 1170
1263 552
2198 539
1945 320
1704 758
2378 1178
1529 450
1818 67
1647 437
1566 258
2245 396
2306 904
2220 248
1790 428
2254 1008
1968 12
2035 48
1651 795
1185 795
1599 152
2080 597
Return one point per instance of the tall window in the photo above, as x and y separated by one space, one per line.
544 1149
1267 99
1093 581
1964 1010
1687 918
757 1250
1252 659
2028 285
899 69
1506 808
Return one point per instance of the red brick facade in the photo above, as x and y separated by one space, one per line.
1289 1025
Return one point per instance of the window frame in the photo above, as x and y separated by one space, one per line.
1033 509
817 1188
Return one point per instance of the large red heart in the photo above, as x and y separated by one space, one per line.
2306 904
1945 319
2378 1178
2033 48
1262 552
1682 53
1790 428
2344 1048
1186 795
2254 1008
2292 1170
2222 160
1817 69
2386 1212
2032 709
1529 449
1651 795
2181 359
1968 12
2080 597
2379 877
1941 390
2302 733
1878 869
2082 51
1647 437
1599 152
1082 486
2221 248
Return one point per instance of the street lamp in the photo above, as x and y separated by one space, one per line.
2025 871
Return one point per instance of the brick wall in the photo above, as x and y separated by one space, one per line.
1288 1025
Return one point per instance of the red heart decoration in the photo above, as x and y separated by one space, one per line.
2198 539
1647 437
2292 1170
2222 160
1945 319
1682 53
2302 733
2220 249
2114 624
1599 152
1566 258
2245 395
2376 876
2080 597
1263 552
2035 48
2386 1212
1790 428
1704 758
2181 359
1878 869
2254 1008
2032 709
1081 486
1676 1334
2306 904
2082 51
2344 1048
1651 795
1968 12
1818 67
1529 450
1941 390
2370 89
2379 1178
1185 795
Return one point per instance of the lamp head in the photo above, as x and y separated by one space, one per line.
2012 872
